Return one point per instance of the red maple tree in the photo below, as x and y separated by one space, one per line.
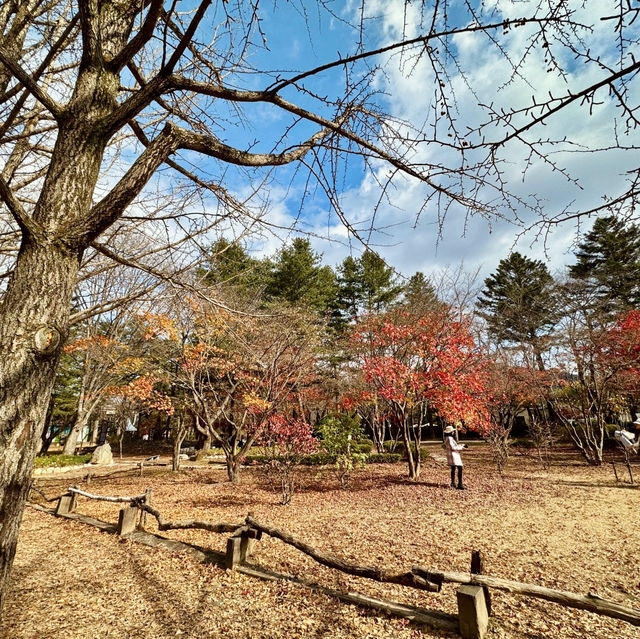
418 364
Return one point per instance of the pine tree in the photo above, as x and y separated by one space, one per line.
350 289
298 277
519 304
419 294
609 264
229 264
365 285
380 287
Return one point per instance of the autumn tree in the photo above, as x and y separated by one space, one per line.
511 387
604 360
98 97
286 441
233 371
415 363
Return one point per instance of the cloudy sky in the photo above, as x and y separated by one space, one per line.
410 235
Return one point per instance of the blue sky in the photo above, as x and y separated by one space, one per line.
410 235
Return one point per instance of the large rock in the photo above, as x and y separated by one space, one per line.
102 455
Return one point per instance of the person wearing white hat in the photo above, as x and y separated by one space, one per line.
454 460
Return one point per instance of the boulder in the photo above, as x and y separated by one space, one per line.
102 455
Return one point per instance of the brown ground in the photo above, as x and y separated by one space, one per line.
572 528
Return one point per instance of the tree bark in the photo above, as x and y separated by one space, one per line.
71 442
33 323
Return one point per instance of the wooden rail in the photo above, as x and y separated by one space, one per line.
592 603
368 572
473 597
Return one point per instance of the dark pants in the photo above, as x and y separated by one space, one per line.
453 475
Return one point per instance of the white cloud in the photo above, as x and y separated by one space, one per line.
410 246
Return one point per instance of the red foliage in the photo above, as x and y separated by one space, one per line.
287 437
431 359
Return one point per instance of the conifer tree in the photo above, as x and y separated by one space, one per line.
519 304
608 264
419 294
230 264
298 277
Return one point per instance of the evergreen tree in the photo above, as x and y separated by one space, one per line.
520 304
230 264
350 288
298 277
419 295
609 264
365 284
380 287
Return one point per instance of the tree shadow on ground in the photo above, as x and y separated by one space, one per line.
599 484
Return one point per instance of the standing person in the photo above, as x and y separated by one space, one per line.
453 457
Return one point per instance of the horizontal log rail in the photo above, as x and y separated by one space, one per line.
163 524
589 602
121 500
369 572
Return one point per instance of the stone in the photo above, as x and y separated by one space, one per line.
102 455
472 612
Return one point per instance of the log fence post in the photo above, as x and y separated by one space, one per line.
127 518
143 513
232 558
477 567
64 505
472 612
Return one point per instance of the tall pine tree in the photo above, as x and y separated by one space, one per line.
298 277
608 264
519 304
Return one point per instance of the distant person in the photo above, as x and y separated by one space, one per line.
453 457
627 440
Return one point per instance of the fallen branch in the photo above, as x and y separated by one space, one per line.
104 497
163 524
592 603
369 572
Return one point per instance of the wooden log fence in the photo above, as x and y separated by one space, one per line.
474 602
589 602
368 572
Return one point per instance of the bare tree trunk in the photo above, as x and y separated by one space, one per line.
71 443
34 318
179 433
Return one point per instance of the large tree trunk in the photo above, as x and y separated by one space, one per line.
33 323
71 442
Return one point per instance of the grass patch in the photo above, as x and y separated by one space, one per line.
58 461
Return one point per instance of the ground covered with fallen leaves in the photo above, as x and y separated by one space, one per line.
572 528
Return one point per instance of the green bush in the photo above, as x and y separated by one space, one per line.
316 459
384 458
398 448
58 461
393 447
364 446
